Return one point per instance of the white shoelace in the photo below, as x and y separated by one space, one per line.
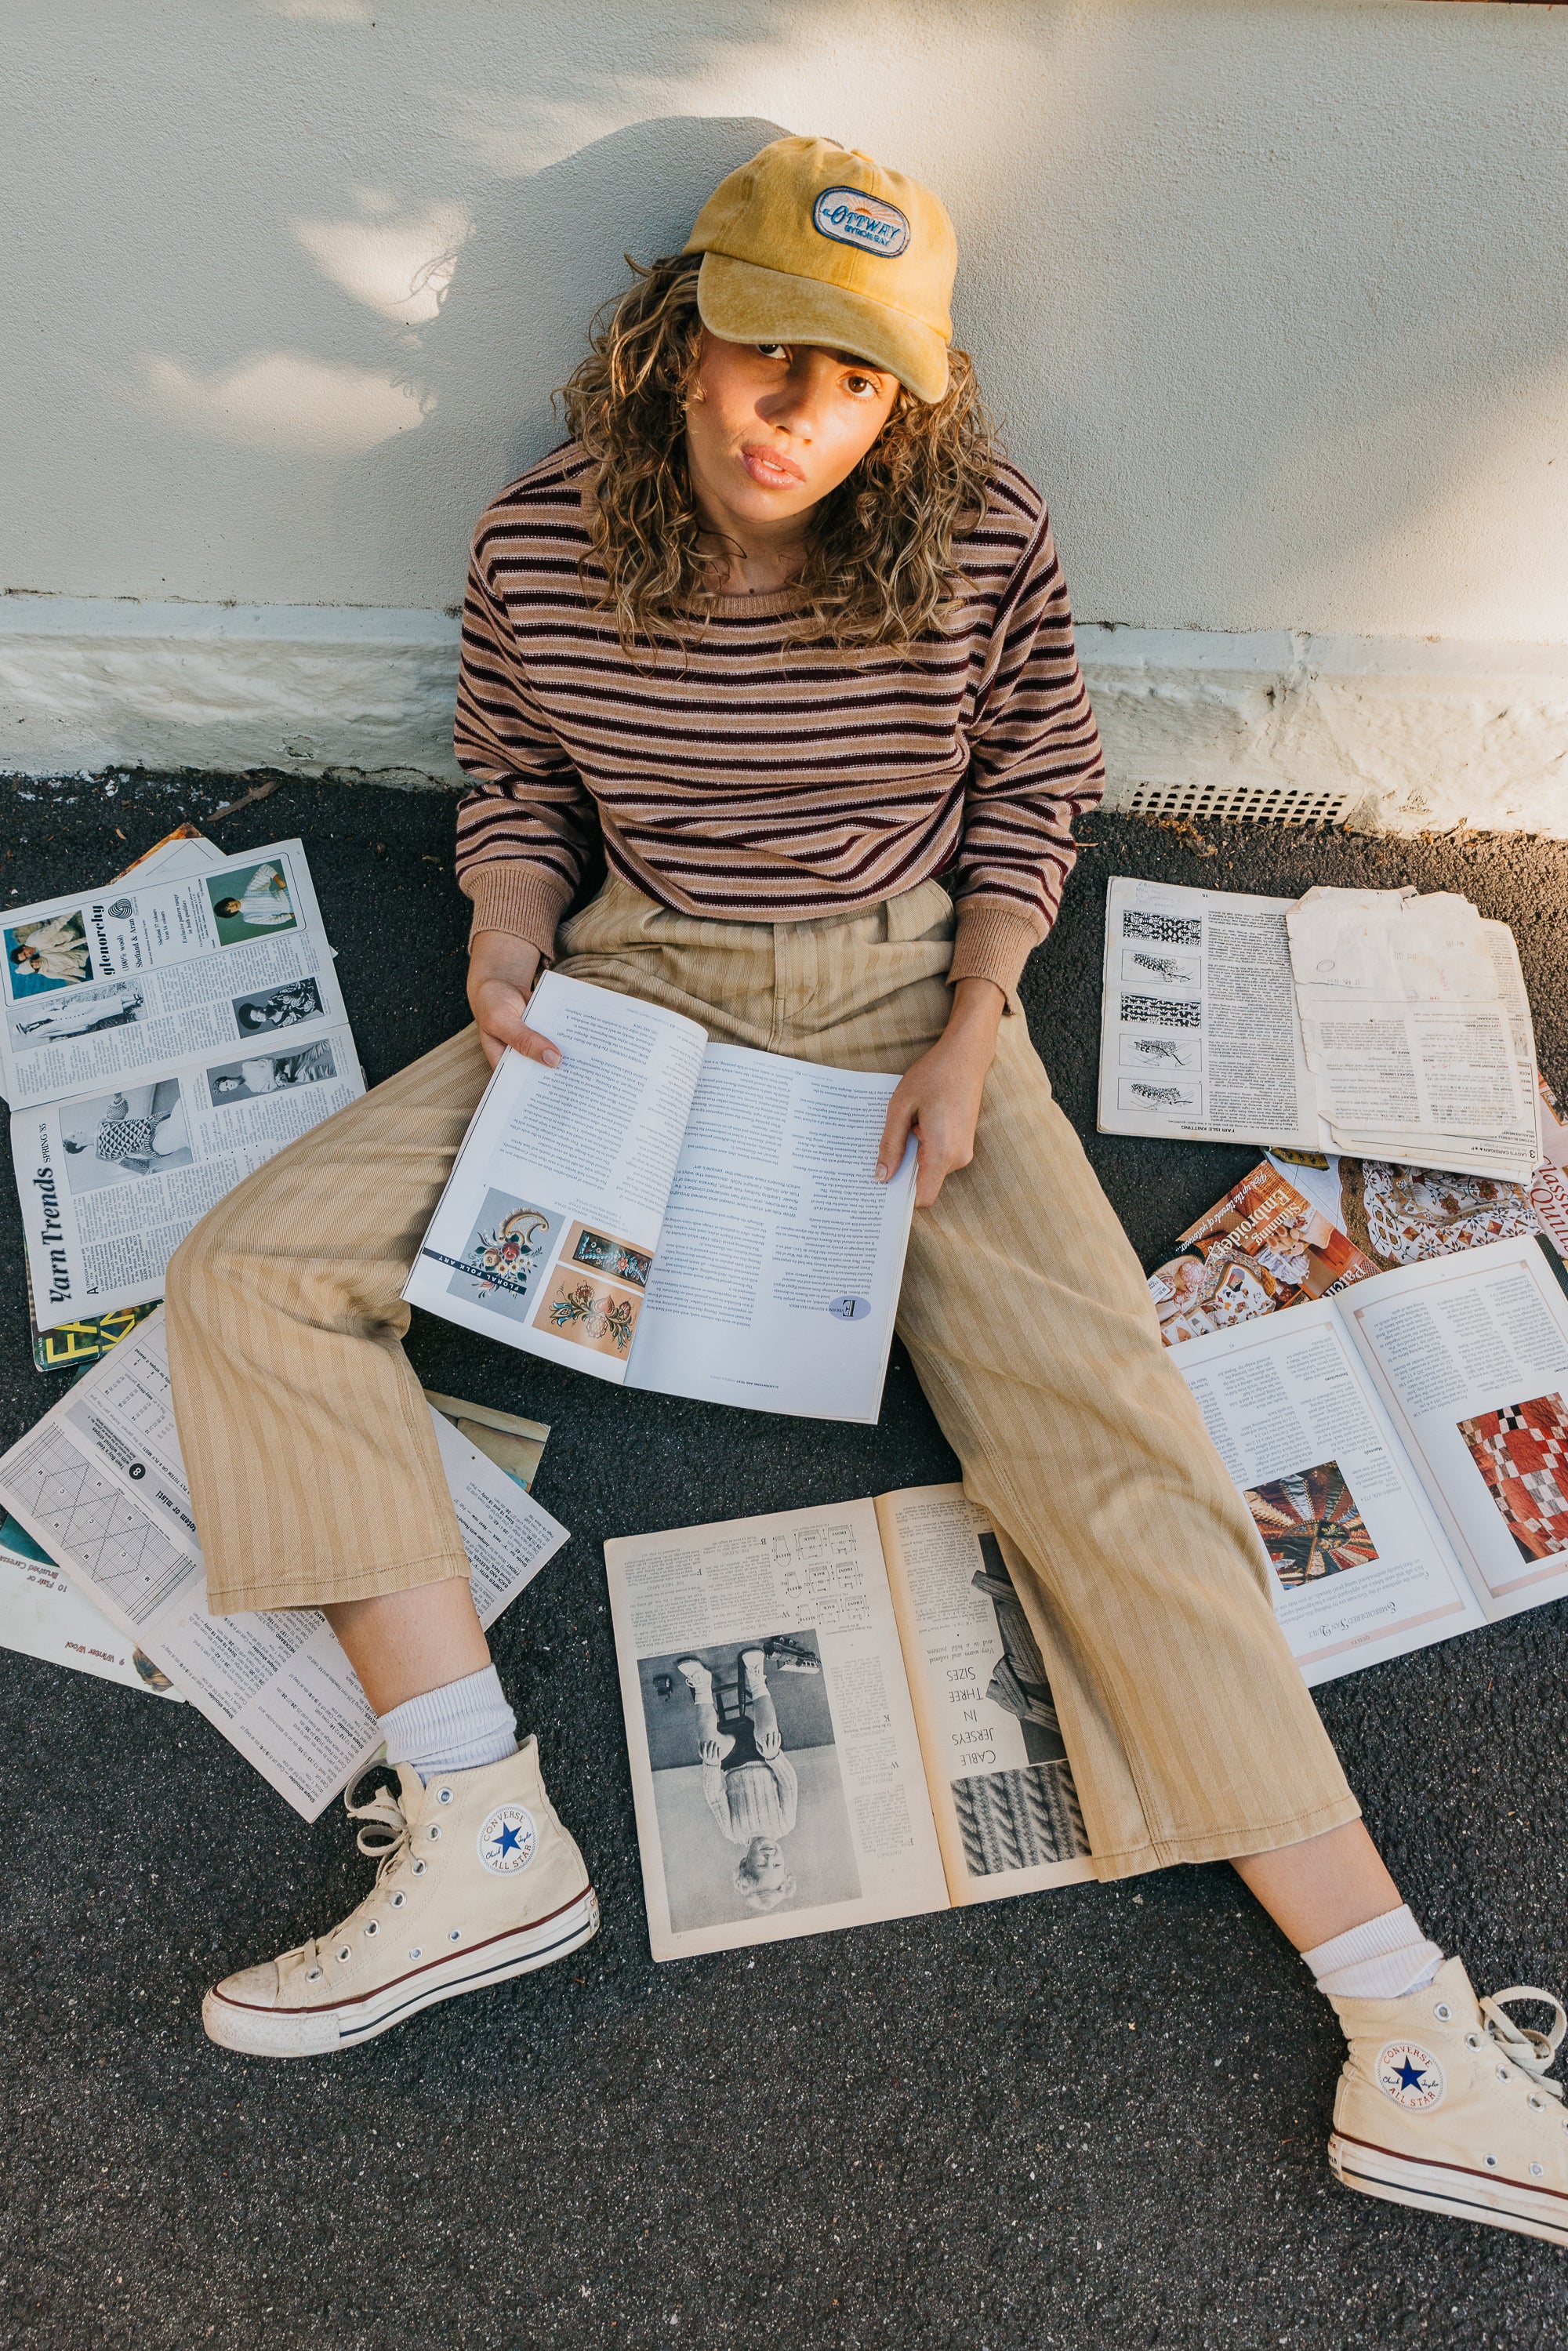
384 1839
1531 2050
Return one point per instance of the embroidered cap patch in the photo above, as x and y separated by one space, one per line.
508 1840
851 217
1409 2075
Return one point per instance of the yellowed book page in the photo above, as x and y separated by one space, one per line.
996 1769
775 1763
513 1444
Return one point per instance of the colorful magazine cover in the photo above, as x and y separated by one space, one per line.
1263 1246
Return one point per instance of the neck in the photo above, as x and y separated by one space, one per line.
746 558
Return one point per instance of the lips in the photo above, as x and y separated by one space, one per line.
770 470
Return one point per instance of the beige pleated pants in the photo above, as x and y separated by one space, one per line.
316 1477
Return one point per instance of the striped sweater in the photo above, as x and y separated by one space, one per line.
740 778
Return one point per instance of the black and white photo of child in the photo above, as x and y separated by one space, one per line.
277 1008
269 1074
747 1782
141 1130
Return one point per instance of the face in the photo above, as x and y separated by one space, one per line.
764 1864
774 428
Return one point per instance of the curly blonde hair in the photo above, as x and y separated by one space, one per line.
879 571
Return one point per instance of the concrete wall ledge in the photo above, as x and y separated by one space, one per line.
1386 733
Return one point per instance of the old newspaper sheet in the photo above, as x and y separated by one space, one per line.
99 1484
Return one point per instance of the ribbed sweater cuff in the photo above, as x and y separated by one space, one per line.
992 943
516 898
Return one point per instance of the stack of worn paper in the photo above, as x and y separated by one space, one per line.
1415 1026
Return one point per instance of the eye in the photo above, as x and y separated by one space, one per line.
773 351
862 387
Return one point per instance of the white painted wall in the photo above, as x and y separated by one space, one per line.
1270 296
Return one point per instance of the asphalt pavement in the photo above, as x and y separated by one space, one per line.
1093 2117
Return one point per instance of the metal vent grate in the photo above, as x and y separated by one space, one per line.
1242 803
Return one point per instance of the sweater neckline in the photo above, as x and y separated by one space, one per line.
771 604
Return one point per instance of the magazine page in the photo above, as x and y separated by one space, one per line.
1265 1246
1417 1028
1199 1037
100 988
775 1762
544 1237
1472 1354
1362 1568
995 1766
43 1615
111 1183
100 1485
777 1278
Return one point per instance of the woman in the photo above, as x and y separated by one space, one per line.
783 628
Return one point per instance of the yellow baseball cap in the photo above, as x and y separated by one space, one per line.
813 243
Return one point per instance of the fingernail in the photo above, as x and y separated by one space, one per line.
881 1172
551 1058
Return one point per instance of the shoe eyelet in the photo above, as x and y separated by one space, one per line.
1491 2163
345 1953
1536 2169
1538 2103
414 1953
313 1975
456 1931
1472 2041
1443 2011
372 1926
445 1797
419 1869
1503 2074
398 1900
434 1830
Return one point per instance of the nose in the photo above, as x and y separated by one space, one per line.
791 406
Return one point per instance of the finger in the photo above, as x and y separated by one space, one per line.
901 1115
938 1160
533 1047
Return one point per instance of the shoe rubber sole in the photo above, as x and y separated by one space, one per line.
1466 2195
317 2031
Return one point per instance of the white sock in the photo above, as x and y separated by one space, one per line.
1383 1960
459 1728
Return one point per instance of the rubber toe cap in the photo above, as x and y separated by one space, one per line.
252 1986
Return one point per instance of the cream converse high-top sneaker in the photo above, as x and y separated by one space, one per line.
476 1880
1444 2104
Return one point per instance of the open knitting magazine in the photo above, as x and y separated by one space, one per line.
1402 1445
698 1218
835 1715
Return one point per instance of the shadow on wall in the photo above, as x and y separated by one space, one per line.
539 262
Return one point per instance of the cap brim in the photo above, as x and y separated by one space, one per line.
741 302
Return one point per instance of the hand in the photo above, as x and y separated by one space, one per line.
501 975
939 1099
712 1751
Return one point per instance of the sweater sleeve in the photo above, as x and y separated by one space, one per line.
524 835
1035 766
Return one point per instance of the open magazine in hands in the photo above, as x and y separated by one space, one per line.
835 1715
671 1214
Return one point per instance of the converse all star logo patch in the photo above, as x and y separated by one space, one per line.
1409 2075
508 1840
851 217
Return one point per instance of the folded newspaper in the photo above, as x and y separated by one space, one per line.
834 1715
1375 1022
99 1486
159 1039
673 1213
